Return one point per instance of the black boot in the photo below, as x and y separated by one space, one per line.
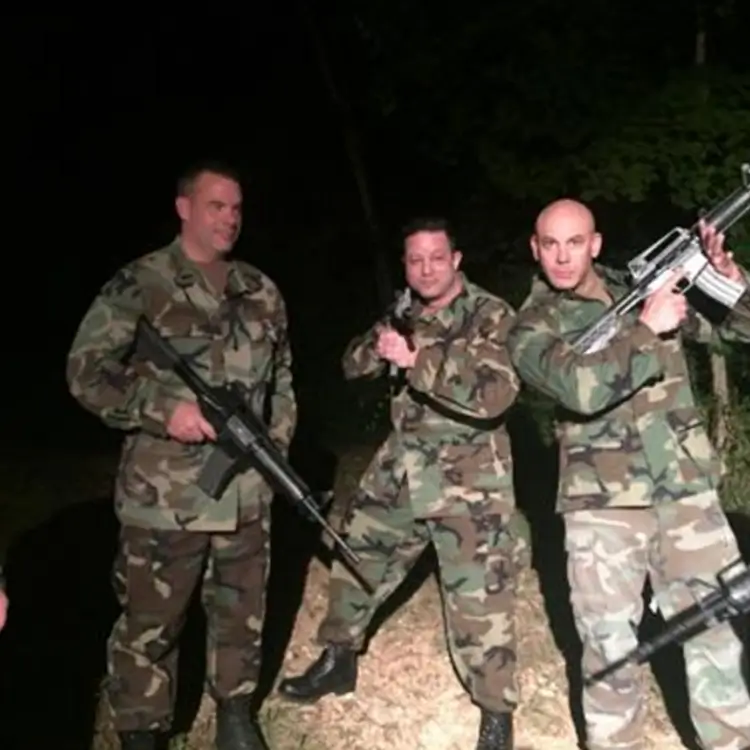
495 731
137 740
236 729
335 671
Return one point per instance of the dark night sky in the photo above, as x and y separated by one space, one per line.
103 111
104 120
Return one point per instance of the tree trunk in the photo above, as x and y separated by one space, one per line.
719 373
354 152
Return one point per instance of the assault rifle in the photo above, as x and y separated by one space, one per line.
399 318
242 438
678 248
729 599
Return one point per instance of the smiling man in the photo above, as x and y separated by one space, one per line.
442 477
229 319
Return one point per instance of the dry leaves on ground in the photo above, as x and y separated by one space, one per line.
408 696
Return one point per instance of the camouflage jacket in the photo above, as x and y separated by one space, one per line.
240 335
449 439
629 430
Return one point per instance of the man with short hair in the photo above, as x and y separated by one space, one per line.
442 477
229 320
639 477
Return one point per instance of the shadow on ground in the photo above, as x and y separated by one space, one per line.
53 649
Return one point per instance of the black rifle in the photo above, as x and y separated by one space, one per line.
400 318
242 438
678 248
729 599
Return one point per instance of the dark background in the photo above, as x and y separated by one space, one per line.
480 111
456 108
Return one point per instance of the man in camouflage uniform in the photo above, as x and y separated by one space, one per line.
443 476
639 478
229 320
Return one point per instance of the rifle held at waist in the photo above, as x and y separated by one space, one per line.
729 599
242 438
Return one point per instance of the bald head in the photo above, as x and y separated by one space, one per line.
565 243
564 210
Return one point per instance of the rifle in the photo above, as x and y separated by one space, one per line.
678 248
242 438
399 318
727 600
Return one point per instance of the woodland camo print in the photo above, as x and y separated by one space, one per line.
442 480
638 494
171 531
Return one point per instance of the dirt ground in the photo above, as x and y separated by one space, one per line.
408 697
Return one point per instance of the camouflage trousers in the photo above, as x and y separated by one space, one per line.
610 554
478 564
156 573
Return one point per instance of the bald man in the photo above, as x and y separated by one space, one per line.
638 476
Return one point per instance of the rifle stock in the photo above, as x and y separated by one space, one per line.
727 600
242 438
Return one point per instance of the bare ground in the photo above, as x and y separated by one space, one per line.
408 696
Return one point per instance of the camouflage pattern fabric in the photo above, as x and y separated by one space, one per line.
629 429
443 476
479 559
638 493
610 552
171 528
461 463
239 335
156 573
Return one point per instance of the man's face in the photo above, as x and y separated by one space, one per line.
565 245
212 214
431 266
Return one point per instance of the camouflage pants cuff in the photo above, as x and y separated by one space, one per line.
245 691
331 634
495 705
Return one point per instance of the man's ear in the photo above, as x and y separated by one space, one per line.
534 242
457 258
596 245
182 206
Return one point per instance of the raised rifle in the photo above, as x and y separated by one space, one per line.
399 317
730 598
242 438
678 248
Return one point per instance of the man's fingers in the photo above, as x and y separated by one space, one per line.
207 430
671 282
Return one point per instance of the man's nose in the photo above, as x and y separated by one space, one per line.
563 256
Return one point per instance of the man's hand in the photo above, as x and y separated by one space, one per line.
665 308
188 425
394 347
721 259
3 609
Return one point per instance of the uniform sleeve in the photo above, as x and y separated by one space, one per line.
283 399
583 383
360 358
734 328
472 374
98 375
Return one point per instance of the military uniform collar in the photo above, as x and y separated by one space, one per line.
446 315
187 273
